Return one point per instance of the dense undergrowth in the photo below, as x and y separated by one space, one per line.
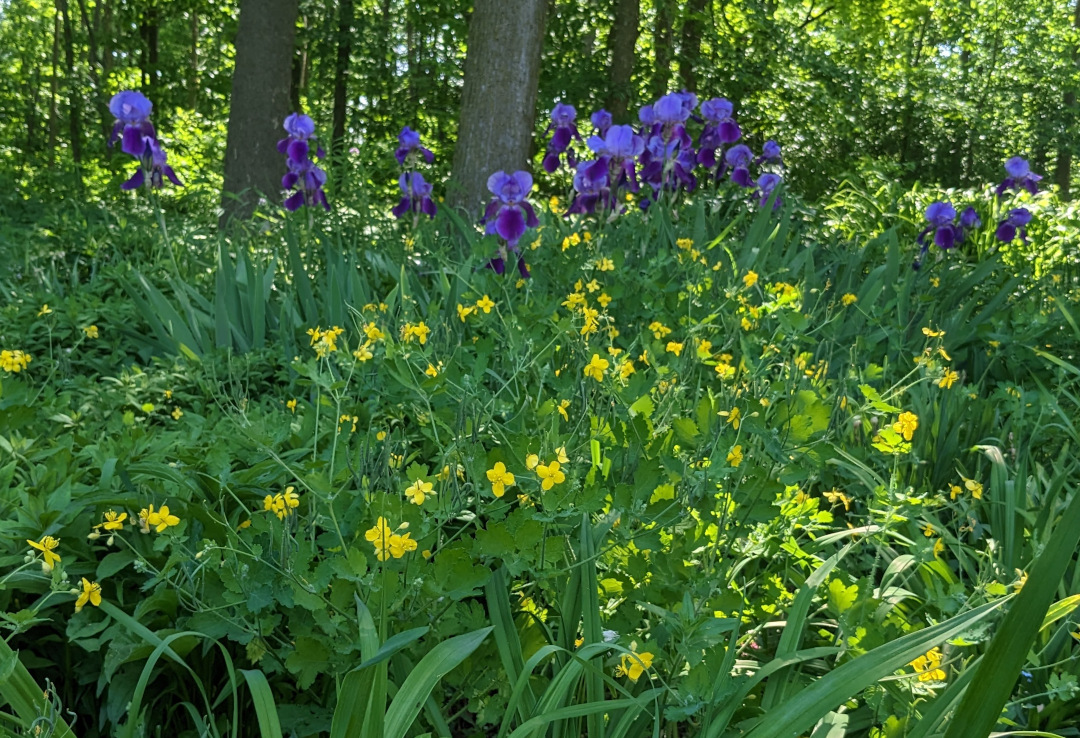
714 470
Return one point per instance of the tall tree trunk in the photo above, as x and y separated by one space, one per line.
1063 166
93 64
54 84
74 104
690 44
621 43
341 72
259 104
193 63
498 101
662 37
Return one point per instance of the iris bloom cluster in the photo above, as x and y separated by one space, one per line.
1020 177
139 139
509 215
941 221
415 191
303 175
660 153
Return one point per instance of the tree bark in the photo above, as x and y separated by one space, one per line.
1063 165
690 45
662 37
193 63
74 104
621 43
341 72
259 104
54 85
498 101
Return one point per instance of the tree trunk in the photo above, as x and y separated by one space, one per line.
662 36
341 71
498 101
74 104
54 84
690 45
259 105
193 63
621 43
1063 166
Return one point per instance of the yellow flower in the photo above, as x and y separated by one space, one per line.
732 416
380 436
419 491
464 312
596 368
674 347
592 286
177 413
485 303
290 497
14 361
346 418
168 394
948 379
562 410
47 545
550 475
849 299
291 404
606 265
573 300
531 461
928 530
91 592
939 547
553 204
114 521
431 371
750 279
363 353
45 310
162 519
659 330
91 331
401 544
604 299
379 536
633 665
560 454
906 425
834 495
500 479
735 455
954 491
746 324
626 368
931 333
684 244
928 667
419 331
975 488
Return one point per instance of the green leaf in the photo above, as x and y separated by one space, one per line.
841 598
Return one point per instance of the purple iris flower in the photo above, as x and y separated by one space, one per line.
940 216
770 152
601 120
970 219
509 214
671 114
591 185
647 116
766 183
155 161
720 129
1020 177
409 141
1013 225
416 195
132 112
621 147
738 158
303 175
562 120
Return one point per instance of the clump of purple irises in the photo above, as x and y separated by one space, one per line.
941 221
660 153
139 139
415 191
304 175
1020 177
509 215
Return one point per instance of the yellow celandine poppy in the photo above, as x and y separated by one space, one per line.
975 488
750 279
14 361
733 417
419 331
948 379
485 303
372 332
634 665
560 454
114 520
45 310
928 667
531 461
834 496
674 347
684 244
500 479
592 286
931 333
606 265
735 455
849 299
291 404
47 545
659 330
906 425
939 547
162 519
91 331
550 475
346 418
91 592
596 368
363 352
626 368
388 543
928 530
604 299
419 491
177 413
464 312
562 406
